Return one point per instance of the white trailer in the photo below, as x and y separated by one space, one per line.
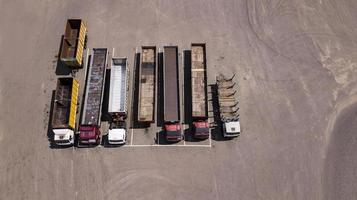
118 100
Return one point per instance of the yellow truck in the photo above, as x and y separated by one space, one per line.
73 43
65 111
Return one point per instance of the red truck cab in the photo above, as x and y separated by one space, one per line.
201 129
89 135
173 132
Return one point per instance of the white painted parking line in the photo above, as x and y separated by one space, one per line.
169 145
131 137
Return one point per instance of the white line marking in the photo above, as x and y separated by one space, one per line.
158 138
131 137
170 145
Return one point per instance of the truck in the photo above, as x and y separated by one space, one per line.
172 127
73 43
89 129
146 105
65 111
200 125
117 107
228 107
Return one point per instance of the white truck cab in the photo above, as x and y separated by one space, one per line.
231 129
117 136
63 136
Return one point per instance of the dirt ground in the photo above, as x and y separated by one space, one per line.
296 64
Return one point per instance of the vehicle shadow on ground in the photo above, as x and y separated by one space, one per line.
61 68
216 132
160 90
50 134
105 115
161 140
189 136
187 87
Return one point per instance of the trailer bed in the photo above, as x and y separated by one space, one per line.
73 42
147 85
227 102
118 86
65 105
94 88
198 81
171 90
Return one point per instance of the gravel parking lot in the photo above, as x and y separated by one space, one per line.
296 65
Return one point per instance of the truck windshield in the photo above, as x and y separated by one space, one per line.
202 130
173 133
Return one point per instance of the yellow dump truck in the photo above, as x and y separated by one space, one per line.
65 111
73 43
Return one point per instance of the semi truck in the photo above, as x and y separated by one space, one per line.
228 107
73 43
172 127
65 111
89 130
117 107
200 125
146 110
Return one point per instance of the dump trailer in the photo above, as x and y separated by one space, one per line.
146 109
228 107
118 100
89 131
200 123
172 127
65 111
73 43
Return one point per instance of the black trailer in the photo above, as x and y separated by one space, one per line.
171 94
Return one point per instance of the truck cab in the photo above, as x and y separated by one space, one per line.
231 129
172 132
63 136
200 129
89 135
117 134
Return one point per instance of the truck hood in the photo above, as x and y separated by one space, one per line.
116 134
232 127
62 134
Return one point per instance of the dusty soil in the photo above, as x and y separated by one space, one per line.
296 63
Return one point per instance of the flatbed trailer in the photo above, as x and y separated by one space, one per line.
172 125
73 43
228 107
199 91
92 109
146 110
